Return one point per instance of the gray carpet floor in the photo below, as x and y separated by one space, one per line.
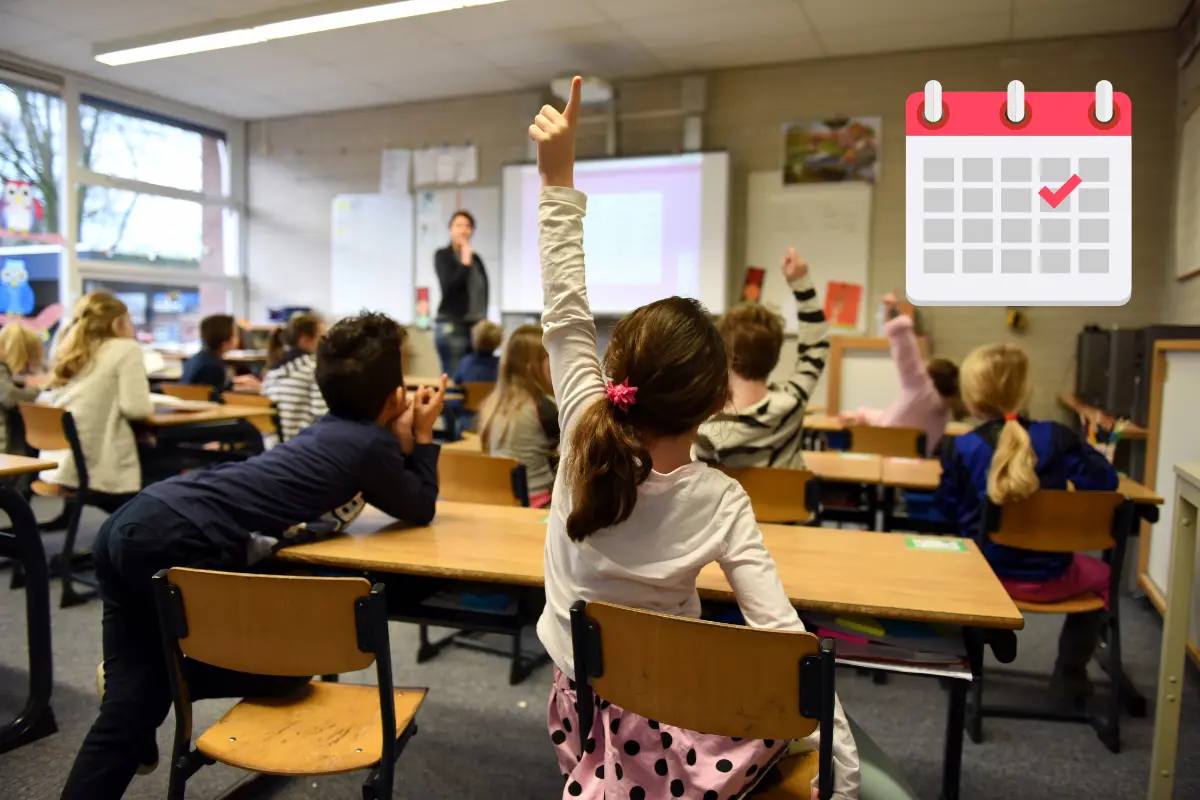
481 738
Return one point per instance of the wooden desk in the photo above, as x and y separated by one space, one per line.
470 443
833 571
417 381
23 543
21 465
218 413
165 375
839 467
925 473
1094 414
830 424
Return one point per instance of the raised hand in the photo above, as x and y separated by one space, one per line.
794 266
467 254
402 427
426 408
555 137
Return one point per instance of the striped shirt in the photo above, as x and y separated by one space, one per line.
768 433
292 387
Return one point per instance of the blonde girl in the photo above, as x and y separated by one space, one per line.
519 419
634 519
1008 458
100 377
20 354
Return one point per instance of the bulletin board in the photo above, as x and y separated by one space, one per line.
829 224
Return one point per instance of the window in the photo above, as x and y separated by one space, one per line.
125 144
166 315
31 149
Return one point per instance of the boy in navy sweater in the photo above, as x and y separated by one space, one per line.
218 335
375 446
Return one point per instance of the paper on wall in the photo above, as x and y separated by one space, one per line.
394 171
425 167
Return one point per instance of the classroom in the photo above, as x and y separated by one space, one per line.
632 399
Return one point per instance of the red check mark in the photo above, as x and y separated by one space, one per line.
1054 198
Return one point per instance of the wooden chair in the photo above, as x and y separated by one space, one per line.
267 424
49 428
727 680
778 494
299 626
187 391
1059 521
474 394
880 441
477 478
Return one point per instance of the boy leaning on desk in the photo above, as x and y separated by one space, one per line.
375 446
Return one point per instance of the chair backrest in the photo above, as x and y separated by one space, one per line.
263 424
1060 521
45 426
187 391
893 442
474 394
724 680
477 478
778 494
268 624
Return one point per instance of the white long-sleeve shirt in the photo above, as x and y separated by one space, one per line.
683 519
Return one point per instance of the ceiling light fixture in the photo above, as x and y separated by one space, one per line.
256 34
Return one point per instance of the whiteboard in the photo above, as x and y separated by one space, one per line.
433 210
868 379
1187 200
829 224
371 264
1178 442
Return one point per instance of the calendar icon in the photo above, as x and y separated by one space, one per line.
1019 199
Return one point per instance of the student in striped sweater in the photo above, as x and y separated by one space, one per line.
291 382
763 423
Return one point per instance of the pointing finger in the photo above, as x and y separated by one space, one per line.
571 113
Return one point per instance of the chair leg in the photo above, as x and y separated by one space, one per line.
1110 731
70 597
975 715
177 786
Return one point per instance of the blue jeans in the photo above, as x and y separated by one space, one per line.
453 341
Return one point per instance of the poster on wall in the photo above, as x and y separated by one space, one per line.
842 149
842 301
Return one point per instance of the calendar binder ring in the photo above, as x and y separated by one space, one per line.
1017 109
1102 109
933 102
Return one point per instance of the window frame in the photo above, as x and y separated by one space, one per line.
77 91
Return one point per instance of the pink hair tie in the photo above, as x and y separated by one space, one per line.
621 395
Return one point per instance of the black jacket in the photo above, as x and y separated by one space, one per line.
452 276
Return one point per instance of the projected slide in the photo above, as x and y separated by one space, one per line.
655 227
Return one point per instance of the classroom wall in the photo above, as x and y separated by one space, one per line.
1182 298
298 165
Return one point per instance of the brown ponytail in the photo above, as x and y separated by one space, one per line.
673 354
605 496
275 348
995 385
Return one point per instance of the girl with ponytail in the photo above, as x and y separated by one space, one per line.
1007 459
633 519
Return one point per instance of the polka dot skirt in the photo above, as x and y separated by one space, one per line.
628 757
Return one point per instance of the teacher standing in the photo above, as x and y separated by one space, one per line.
464 286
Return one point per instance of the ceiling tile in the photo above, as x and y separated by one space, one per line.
952 32
604 50
427 63
826 15
1038 19
19 33
365 41
762 50
771 18
622 10
111 19
237 63
511 18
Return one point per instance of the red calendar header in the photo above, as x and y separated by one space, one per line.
1046 114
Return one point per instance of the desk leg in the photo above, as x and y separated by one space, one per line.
36 719
1174 641
955 722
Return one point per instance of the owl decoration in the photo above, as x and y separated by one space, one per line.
16 295
19 207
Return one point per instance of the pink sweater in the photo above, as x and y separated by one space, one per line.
919 405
